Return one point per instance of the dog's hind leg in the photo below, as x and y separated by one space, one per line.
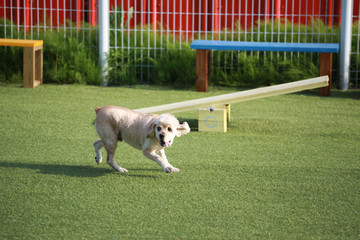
98 145
110 147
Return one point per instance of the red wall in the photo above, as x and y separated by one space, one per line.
31 12
185 15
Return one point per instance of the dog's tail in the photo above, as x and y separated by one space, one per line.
97 109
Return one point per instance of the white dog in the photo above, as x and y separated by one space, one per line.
150 133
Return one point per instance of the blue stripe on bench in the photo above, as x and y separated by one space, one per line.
265 46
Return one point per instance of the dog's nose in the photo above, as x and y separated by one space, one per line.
161 136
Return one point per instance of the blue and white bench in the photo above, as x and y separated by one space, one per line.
204 47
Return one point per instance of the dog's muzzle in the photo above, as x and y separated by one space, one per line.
165 144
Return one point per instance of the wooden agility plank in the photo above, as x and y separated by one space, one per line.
239 96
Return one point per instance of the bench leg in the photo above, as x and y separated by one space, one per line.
203 65
38 66
326 69
29 67
32 66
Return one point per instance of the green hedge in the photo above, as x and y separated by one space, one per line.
147 57
68 61
169 66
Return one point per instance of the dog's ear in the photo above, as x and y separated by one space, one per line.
151 128
182 129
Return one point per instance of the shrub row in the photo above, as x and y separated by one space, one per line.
70 56
173 62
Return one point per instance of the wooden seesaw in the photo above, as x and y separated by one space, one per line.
214 112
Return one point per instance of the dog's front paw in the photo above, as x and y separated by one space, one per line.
120 169
98 160
171 169
98 157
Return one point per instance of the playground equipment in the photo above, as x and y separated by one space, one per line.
214 112
204 48
32 57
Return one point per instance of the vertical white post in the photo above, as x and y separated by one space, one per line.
104 37
345 43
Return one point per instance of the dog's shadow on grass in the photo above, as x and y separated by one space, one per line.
75 170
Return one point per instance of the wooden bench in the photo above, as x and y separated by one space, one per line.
204 47
32 57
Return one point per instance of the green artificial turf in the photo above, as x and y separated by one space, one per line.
288 168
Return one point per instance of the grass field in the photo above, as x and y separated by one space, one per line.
288 168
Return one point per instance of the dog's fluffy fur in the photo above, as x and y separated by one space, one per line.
149 133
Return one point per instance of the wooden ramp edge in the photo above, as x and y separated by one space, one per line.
242 96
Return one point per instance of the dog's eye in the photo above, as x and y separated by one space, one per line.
169 129
159 128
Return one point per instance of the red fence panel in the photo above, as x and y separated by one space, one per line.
186 16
